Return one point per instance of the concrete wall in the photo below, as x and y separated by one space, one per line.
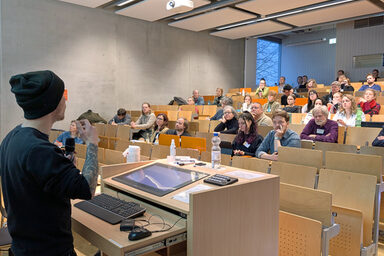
314 60
109 61
354 42
250 63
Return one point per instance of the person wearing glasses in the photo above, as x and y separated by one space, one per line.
258 114
228 123
161 126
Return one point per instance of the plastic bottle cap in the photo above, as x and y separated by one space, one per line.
215 134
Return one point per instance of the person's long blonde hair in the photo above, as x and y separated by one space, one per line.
353 104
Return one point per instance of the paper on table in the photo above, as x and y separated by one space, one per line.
184 196
244 175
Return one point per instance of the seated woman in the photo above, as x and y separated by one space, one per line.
72 133
161 126
272 105
312 96
345 83
379 140
309 115
346 116
263 90
279 136
291 107
247 103
144 124
311 84
334 106
368 104
195 114
228 123
247 140
219 96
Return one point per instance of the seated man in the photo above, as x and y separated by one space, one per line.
258 114
181 128
370 84
379 140
279 136
197 98
287 90
120 118
225 101
335 87
320 128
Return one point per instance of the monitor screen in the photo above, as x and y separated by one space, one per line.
159 179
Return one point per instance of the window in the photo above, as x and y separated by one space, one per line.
268 61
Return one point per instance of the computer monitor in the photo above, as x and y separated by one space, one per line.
159 179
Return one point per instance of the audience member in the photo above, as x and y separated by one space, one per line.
375 74
195 114
303 86
72 133
279 136
348 111
161 126
281 84
379 140
228 123
258 114
120 118
181 128
247 103
312 96
299 81
218 97
291 107
272 105
144 124
247 140
92 117
339 73
345 84
368 104
320 128
334 106
309 115
263 90
197 98
225 101
288 90
335 87
370 84
311 84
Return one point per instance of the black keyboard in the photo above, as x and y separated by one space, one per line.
111 209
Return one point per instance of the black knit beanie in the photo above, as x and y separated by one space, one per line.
37 93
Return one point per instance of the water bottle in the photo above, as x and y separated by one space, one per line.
216 151
359 113
172 150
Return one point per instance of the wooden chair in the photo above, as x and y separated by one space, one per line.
123 132
251 163
206 156
100 155
376 151
122 145
325 146
302 156
209 110
159 152
53 134
213 124
297 118
233 90
157 112
297 128
359 94
145 148
166 139
200 108
194 142
301 101
188 152
294 174
172 115
110 130
171 124
260 101
100 128
203 125
104 142
191 108
185 114
341 135
193 127
299 235
227 137
113 157
307 144
356 85
81 150
361 136
226 159
208 98
264 130
208 138
352 190
377 118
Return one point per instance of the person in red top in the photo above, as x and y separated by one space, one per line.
368 103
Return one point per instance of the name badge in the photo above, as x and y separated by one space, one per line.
246 144
320 131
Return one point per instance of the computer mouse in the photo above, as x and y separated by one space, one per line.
139 233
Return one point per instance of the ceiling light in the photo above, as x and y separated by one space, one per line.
125 2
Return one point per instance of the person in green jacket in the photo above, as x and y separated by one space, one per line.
263 90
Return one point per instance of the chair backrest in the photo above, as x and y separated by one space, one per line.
171 124
361 136
307 144
203 125
299 234
294 174
172 115
194 142
209 110
297 118
352 190
209 98
53 134
81 150
206 156
208 137
123 132
110 130
122 145
226 159
356 85
227 137
357 163
157 112
297 128
260 101
166 139
251 163
307 202
359 94
302 156
326 146
213 125
100 155
264 130
159 152
145 148
378 118
301 101
193 127
188 108
100 128
185 114
200 108
378 151
188 152
80 163
341 134
113 157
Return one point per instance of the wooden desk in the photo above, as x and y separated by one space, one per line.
239 219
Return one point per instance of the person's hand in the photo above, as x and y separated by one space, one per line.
312 135
238 152
342 122
133 125
362 100
328 134
260 94
274 156
87 132
223 120
380 137
59 144
280 132
113 123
